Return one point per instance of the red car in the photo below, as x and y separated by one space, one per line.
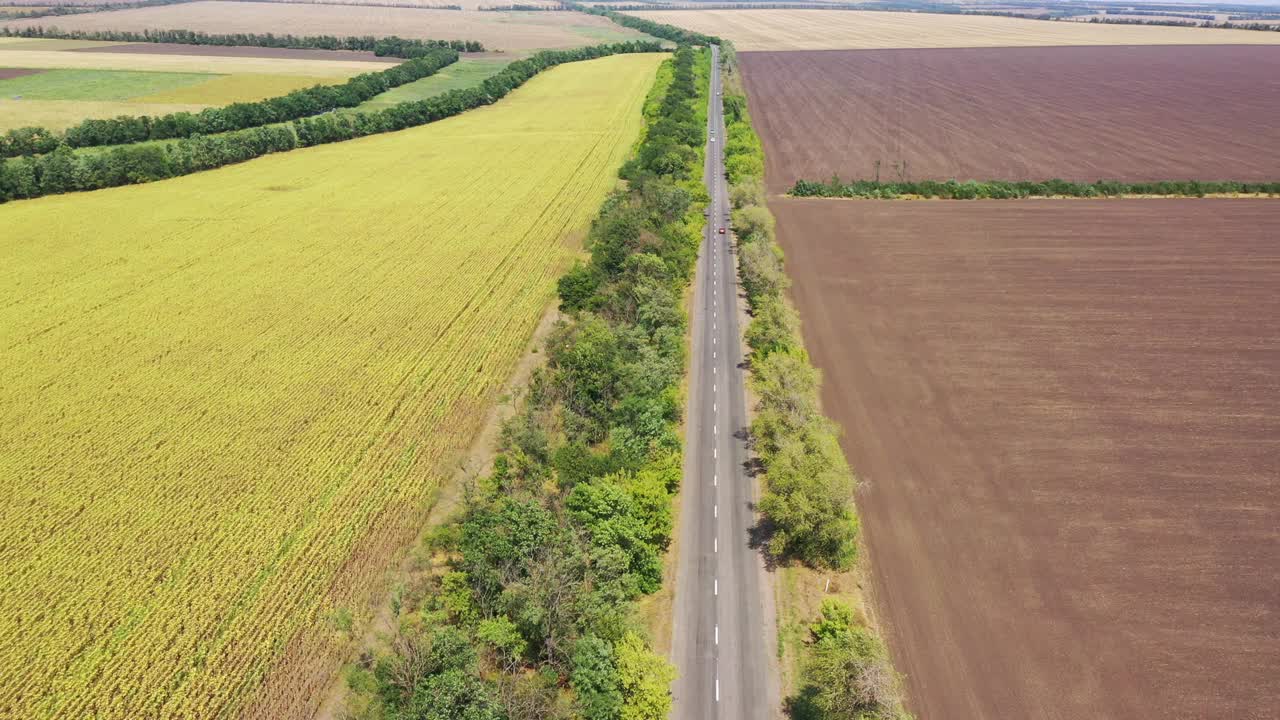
721 231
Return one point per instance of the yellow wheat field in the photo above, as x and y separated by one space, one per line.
228 397
851 30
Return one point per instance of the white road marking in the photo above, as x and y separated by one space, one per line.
716 547
717 689
715 588
715 452
717 634
715 407
715 429
716 510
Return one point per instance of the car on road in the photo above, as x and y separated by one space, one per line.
721 230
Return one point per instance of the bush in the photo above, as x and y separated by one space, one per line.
754 221
1008 190
748 191
760 266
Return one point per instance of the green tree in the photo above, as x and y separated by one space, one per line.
595 679
645 679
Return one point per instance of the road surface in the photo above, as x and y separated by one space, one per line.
720 642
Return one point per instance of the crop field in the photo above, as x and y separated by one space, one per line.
32 53
58 83
230 396
467 72
96 84
61 114
843 29
1066 415
1083 114
429 4
150 48
497 30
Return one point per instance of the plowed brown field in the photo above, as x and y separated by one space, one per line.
1084 114
1066 415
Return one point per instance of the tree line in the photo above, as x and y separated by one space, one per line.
680 36
67 170
1016 190
127 129
807 501
529 612
1160 13
383 46
1183 23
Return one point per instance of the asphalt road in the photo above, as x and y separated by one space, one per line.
720 642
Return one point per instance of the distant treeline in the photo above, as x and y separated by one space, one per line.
1176 23
519 8
67 170
237 116
1160 13
386 46
679 36
1011 190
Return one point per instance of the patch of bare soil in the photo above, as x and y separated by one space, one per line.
6 73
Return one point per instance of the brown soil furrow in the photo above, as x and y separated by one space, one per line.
1067 420
1076 113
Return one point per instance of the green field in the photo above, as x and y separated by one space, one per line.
229 397
73 85
467 72
96 84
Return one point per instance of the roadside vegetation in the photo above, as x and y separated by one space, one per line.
67 170
1016 190
807 503
527 610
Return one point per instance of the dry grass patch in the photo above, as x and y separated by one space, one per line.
841 29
